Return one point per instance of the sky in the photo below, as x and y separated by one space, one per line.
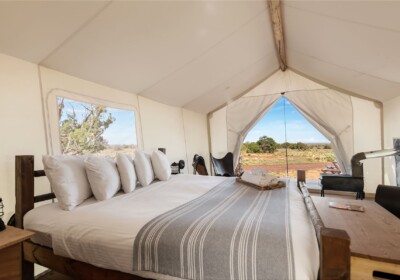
272 125
122 131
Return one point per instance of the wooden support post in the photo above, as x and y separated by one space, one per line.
277 27
301 177
24 193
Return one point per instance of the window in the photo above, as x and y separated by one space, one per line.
86 128
269 147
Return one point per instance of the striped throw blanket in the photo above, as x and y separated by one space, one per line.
231 232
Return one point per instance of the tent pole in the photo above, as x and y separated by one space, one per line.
284 118
274 7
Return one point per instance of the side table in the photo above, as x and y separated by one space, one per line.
11 252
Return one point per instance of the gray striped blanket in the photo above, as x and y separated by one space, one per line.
231 232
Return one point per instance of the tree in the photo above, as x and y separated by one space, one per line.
247 147
327 146
285 145
253 147
301 146
84 135
267 144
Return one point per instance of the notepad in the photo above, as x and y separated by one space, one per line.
346 206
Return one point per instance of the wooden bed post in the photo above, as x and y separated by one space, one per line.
24 187
334 244
335 253
24 195
301 177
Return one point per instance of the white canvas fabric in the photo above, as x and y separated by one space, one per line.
68 179
143 167
103 177
242 115
161 166
329 111
127 172
259 177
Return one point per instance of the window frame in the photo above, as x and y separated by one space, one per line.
53 129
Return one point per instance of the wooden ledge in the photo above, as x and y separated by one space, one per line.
11 236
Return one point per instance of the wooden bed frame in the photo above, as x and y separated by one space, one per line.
334 244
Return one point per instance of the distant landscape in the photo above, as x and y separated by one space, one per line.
269 155
84 134
112 150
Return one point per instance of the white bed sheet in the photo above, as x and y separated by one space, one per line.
102 233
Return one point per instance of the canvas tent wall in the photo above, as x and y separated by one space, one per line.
391 115
338 116
25 121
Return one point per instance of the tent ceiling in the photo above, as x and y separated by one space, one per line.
352 45
199 55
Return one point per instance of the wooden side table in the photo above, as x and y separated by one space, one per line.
11 252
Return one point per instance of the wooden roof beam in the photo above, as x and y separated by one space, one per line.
274 7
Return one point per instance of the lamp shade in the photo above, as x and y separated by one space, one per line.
2 225
1 208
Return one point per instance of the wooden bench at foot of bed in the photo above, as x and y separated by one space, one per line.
334 244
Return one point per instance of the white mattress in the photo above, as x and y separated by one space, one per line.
102 233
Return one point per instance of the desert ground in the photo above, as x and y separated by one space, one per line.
312 160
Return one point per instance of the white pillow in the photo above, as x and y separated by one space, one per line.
161 166
103 177
144 170
126 172
68 179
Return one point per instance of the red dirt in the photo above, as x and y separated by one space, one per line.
313 170
305 166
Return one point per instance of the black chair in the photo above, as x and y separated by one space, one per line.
223 166
389 198
199 165
344 183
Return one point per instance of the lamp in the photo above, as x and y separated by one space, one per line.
181 164
176 167
2 225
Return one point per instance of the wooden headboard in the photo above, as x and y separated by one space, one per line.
24 187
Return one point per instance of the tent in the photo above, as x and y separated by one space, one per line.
188 69
338 116
199 55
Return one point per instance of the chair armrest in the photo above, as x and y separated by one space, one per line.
389 198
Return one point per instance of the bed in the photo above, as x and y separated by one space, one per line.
126 237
